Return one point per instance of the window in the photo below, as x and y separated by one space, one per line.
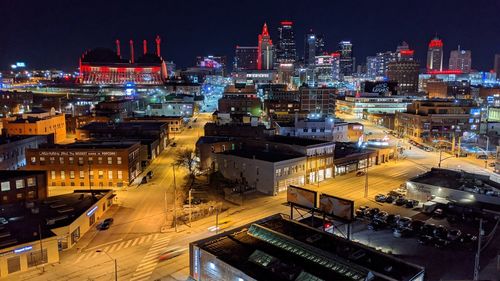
14 264
71 174
110 160
42 160
31 182
52 160
118 160
91 174
53 175
71 160
110 175
278 172
99 160
61 160
101 174
286 171
82 174
5 186
19 196
19 184
90 160
80 161
33 160
119 175
63 175
37 257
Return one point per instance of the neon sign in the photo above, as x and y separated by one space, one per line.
23 249
91 211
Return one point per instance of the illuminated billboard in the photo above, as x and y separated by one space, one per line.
336 207
301 197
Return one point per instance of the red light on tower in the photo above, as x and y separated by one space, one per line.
407 52
285 22
436 43
158 41
145 46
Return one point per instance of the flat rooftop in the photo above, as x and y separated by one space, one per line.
10 174
297 141
11 139
268 156
53 212
459 180
123 125
91 145
276 248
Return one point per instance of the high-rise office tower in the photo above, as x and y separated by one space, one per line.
320 44
310 48
346 58
460 60
286 51
435 55
383 60
266 50
245 58
326 68
496 65
404 70
372 66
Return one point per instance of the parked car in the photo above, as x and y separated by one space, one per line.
410 203
381 216
150 174
380 198
106 224
372 212
468 238
362 211
401 191
400 201
482 156
401 232
416 226
376 225
454 235
438 213
440 242
440 232
395 193
360 173
492 164
428 229
390 198
425 239
404 222
392 219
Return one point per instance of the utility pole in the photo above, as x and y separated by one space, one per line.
175 200
440 157
216 218
41 246
190 212
478 253
366 176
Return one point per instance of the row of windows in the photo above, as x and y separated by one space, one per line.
289 170
100 184
71 160
19 196
84 175
18 184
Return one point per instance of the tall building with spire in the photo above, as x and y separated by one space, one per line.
435 55
265 58
286 51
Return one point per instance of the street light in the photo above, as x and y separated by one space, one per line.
114 260
441 152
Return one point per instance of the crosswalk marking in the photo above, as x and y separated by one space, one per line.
118 246
150 260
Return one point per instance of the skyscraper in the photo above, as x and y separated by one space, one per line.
372 66
460 60
266 50
326 68
496 65
320 44
435 55
404 70
346 58
246 58
286 51
310 48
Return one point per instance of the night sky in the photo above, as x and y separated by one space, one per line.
54 33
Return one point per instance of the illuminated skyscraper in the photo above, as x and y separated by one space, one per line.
286 51
460 60
346 58
435 55
265 50
246 58
310 48
404 70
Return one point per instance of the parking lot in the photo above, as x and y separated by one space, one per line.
449 259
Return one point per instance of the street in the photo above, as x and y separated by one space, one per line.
135 239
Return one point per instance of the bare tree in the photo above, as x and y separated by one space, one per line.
186 158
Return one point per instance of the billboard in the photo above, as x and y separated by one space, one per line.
301 197
336 207
381 87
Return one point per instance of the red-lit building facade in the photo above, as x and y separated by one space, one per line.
103 66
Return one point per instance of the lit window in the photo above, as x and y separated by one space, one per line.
82 174
19 184
63 175
31 182
71 174
120 175
101 174
110 175
53 175
118 160
110 160
5 186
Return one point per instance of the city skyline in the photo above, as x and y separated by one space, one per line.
42 27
